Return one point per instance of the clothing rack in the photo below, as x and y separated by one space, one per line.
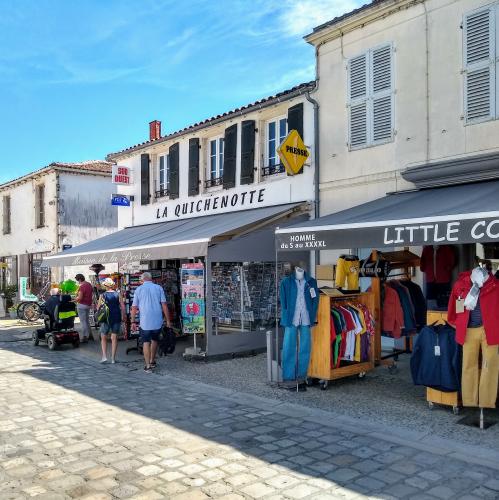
434 396
321 352
403 260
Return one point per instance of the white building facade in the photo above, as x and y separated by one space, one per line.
44 212
224 164
408 94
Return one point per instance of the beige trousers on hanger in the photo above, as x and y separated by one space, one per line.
479 387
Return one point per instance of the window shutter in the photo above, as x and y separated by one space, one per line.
173 171
382 115
295 119
145 193
479 63
230 155
193 166
357 93
247 151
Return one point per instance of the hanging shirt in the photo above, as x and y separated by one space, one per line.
301 316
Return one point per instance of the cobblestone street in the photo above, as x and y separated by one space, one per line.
72 428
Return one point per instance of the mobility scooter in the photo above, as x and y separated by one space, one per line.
59 326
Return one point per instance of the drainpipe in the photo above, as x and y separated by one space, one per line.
316 146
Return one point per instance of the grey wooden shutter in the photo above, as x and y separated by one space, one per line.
382 94
295 119
247 151
230 156
479 64
193 166
173 171
357 93
145 189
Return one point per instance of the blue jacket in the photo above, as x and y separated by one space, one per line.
288 292
439 372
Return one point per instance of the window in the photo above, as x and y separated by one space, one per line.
163 177
40 205
370 93
276 133
480 65
6 215
215 162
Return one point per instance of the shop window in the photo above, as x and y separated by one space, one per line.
6 215
39 275
163 185
40 205
370 92
214 176
276 130
244 295
480 65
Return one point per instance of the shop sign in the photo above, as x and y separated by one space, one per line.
193 304
223 202
24 293
121 175
120 200
436 233
293 153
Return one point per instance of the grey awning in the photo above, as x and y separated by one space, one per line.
459 214
165 240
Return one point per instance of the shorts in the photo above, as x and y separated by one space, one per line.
113 328
148 335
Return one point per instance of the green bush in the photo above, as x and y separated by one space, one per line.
10 292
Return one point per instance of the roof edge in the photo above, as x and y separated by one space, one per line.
357 18
241 111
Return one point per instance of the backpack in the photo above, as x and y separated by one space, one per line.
170 340
102 314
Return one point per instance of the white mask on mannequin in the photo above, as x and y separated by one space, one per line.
299 273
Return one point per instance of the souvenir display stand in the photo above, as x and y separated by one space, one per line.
321 353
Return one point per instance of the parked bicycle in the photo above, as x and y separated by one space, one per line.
32 310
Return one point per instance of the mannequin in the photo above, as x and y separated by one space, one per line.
299 302
473 307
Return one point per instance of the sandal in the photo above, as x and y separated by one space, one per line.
153 364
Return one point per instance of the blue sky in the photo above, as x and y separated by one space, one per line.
82 79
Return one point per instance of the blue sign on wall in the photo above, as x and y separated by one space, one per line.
120 200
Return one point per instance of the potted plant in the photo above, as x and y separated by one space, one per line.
13 312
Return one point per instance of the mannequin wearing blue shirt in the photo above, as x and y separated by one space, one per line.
299 302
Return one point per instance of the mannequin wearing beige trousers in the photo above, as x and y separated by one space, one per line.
479 386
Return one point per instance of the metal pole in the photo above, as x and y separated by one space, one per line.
269 356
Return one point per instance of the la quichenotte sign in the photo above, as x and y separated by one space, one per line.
437 233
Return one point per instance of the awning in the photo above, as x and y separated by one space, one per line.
467 213
166 240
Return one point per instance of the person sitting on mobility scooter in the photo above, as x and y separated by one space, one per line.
59 327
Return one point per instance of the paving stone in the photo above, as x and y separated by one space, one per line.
417 482
443 492
492 484
343 475
282 481
370 483
401 490
300 491
124 491
150 470
218 489
257 490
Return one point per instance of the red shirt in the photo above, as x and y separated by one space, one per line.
489 305
86 294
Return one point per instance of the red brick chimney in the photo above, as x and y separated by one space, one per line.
154 130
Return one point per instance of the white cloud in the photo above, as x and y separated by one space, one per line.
299 17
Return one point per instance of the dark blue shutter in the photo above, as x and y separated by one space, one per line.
295 119
173 171
193 167
230 156
247 151
145 193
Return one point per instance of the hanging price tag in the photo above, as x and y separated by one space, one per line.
312 293
459 305
437 350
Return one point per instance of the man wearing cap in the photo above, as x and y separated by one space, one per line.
149 301
84 303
